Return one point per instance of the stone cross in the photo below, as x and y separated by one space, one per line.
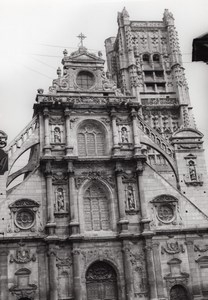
81 36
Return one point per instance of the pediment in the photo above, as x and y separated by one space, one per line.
187 133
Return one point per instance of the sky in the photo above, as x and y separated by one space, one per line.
34 33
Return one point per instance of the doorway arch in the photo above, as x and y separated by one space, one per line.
101 281
178 292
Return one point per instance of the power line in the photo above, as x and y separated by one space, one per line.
37 72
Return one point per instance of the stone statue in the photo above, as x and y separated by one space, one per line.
124 135
57 135
60 199
192 171
130 198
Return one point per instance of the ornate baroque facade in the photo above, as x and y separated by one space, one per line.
112 203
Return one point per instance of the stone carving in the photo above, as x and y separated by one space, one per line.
59 178
176 276
24 293
160 101
73 100
57 135
60 201
192 177
3 139
200 248
64 262
56 120
172 248
94 175
100 271
130 198
124 135
100 253
23 214
22 255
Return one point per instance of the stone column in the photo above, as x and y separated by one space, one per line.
121 199
42 272
150 269
127 271
47 146
140 169
74 224
53 289
4 274
115 132
76 274
158 270
49 199
69 148
137 144
196 291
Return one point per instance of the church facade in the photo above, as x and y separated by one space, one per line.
112 201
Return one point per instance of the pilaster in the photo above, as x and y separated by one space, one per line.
53 289
137 144
150 269
42 272
76 274
127 271
69 147
158 270
47 146
116 146
4 273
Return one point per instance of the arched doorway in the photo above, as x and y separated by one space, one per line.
25 298
178 292
101 282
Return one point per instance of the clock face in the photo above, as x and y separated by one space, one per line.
85 80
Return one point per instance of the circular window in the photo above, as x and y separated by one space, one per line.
85 80
25 219
165 213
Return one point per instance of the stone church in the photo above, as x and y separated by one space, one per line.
111 203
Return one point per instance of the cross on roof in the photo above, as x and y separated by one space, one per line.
81 36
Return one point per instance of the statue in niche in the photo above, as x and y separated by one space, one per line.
130 198
60 199
124 135
57 135
192 171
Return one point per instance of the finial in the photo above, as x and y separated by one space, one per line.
40 91
65 52
125 13
81 36
100 54
59 72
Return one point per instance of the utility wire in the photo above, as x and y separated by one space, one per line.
37 72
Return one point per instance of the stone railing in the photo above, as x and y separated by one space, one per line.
156 137
22 137
94 100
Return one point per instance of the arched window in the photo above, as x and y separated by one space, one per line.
101 282
178 292
96 210
156 58
91 140
146 58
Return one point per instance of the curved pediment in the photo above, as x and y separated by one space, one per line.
187 133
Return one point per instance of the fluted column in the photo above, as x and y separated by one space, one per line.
140 168
158 270
76 274
74 224
47 146
4 274
196 291
49 199
127 271
150 269
53 289
115 132
69 147
137 144
121 199
43 288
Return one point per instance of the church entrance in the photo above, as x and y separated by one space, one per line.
101 282
178 292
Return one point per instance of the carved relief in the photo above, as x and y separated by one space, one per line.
165 211
192 178
200 248
24 215
60 205
59 178
22 255
172 248
94 175
56 120
176 276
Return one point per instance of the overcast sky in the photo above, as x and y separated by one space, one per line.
33 35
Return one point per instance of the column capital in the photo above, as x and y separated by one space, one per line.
70 168
67 112
134 113
140 165
46 112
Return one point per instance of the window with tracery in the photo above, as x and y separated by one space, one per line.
96 211
91 140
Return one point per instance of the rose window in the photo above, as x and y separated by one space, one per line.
25 219
165 212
